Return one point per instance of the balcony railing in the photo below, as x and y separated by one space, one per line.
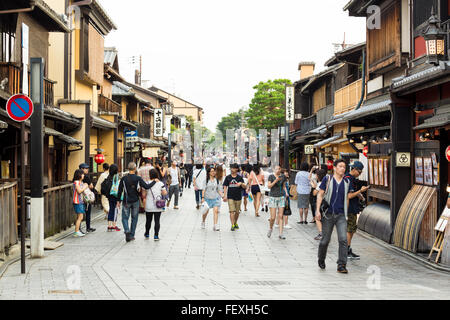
106 105
325 114
143 130
308 124
346 98
10 78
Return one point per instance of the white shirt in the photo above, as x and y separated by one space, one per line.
150 201
102 178
174 174
200 181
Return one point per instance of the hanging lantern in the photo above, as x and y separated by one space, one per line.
434 39
366 151
330 164
99 158
447 153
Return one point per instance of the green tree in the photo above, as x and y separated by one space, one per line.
230 121
267 109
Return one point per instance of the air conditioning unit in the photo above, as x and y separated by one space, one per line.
298 116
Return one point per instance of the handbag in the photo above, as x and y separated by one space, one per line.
115 186
325 206
88 196
287 209
293 192
159 203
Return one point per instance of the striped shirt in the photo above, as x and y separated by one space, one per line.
77 197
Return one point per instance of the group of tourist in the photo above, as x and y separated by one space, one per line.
334 198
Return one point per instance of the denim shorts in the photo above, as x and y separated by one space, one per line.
79 208
214 203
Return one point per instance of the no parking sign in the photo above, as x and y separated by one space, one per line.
19 108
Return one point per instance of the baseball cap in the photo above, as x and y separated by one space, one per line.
358 165
84 166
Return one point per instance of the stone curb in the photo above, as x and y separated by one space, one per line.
411 256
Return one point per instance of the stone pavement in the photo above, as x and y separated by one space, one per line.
191 263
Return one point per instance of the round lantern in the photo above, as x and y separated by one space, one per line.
447 153
99 158
330 164
366 151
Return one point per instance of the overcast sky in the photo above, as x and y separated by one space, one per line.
212 53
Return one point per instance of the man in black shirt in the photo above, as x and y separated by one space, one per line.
353 206
88 181
128 186
189 172
233 186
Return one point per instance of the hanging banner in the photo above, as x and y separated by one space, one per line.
290 106
158 123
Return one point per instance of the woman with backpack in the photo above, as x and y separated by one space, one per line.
77 200
212 195
110 189
154 204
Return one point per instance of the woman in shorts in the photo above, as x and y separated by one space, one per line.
77 200
256 181
277 200
212 195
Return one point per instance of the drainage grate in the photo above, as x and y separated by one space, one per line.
266 283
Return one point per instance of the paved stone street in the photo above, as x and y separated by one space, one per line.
191 263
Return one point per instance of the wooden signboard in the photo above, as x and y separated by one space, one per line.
419 170
440 228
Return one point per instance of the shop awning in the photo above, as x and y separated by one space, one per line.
125 123
328 141
441 119
339 141
101 123
339 118
319 130
65 138
61 115
370 107
364 132
150 142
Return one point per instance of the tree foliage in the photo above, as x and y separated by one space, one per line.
230 121
267 109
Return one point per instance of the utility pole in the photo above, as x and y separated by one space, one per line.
37 156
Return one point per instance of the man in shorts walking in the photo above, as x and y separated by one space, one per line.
233 186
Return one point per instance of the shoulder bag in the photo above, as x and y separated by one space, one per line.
159 202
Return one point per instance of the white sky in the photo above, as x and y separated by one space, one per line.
212 53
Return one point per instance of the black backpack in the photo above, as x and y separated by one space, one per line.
105 187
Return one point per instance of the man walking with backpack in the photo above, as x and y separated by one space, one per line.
334 192
128 186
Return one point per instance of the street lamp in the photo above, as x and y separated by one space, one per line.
434 39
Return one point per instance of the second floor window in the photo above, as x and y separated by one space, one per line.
7 39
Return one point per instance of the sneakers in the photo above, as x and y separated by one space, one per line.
281 237
236 226
216 228
269 233
127 237
322 265
156 238
116 228
351 255
319 237
203 226
233 228
147 236
342 269
287 227
300 222
78 234
175 208
110 229
90 230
